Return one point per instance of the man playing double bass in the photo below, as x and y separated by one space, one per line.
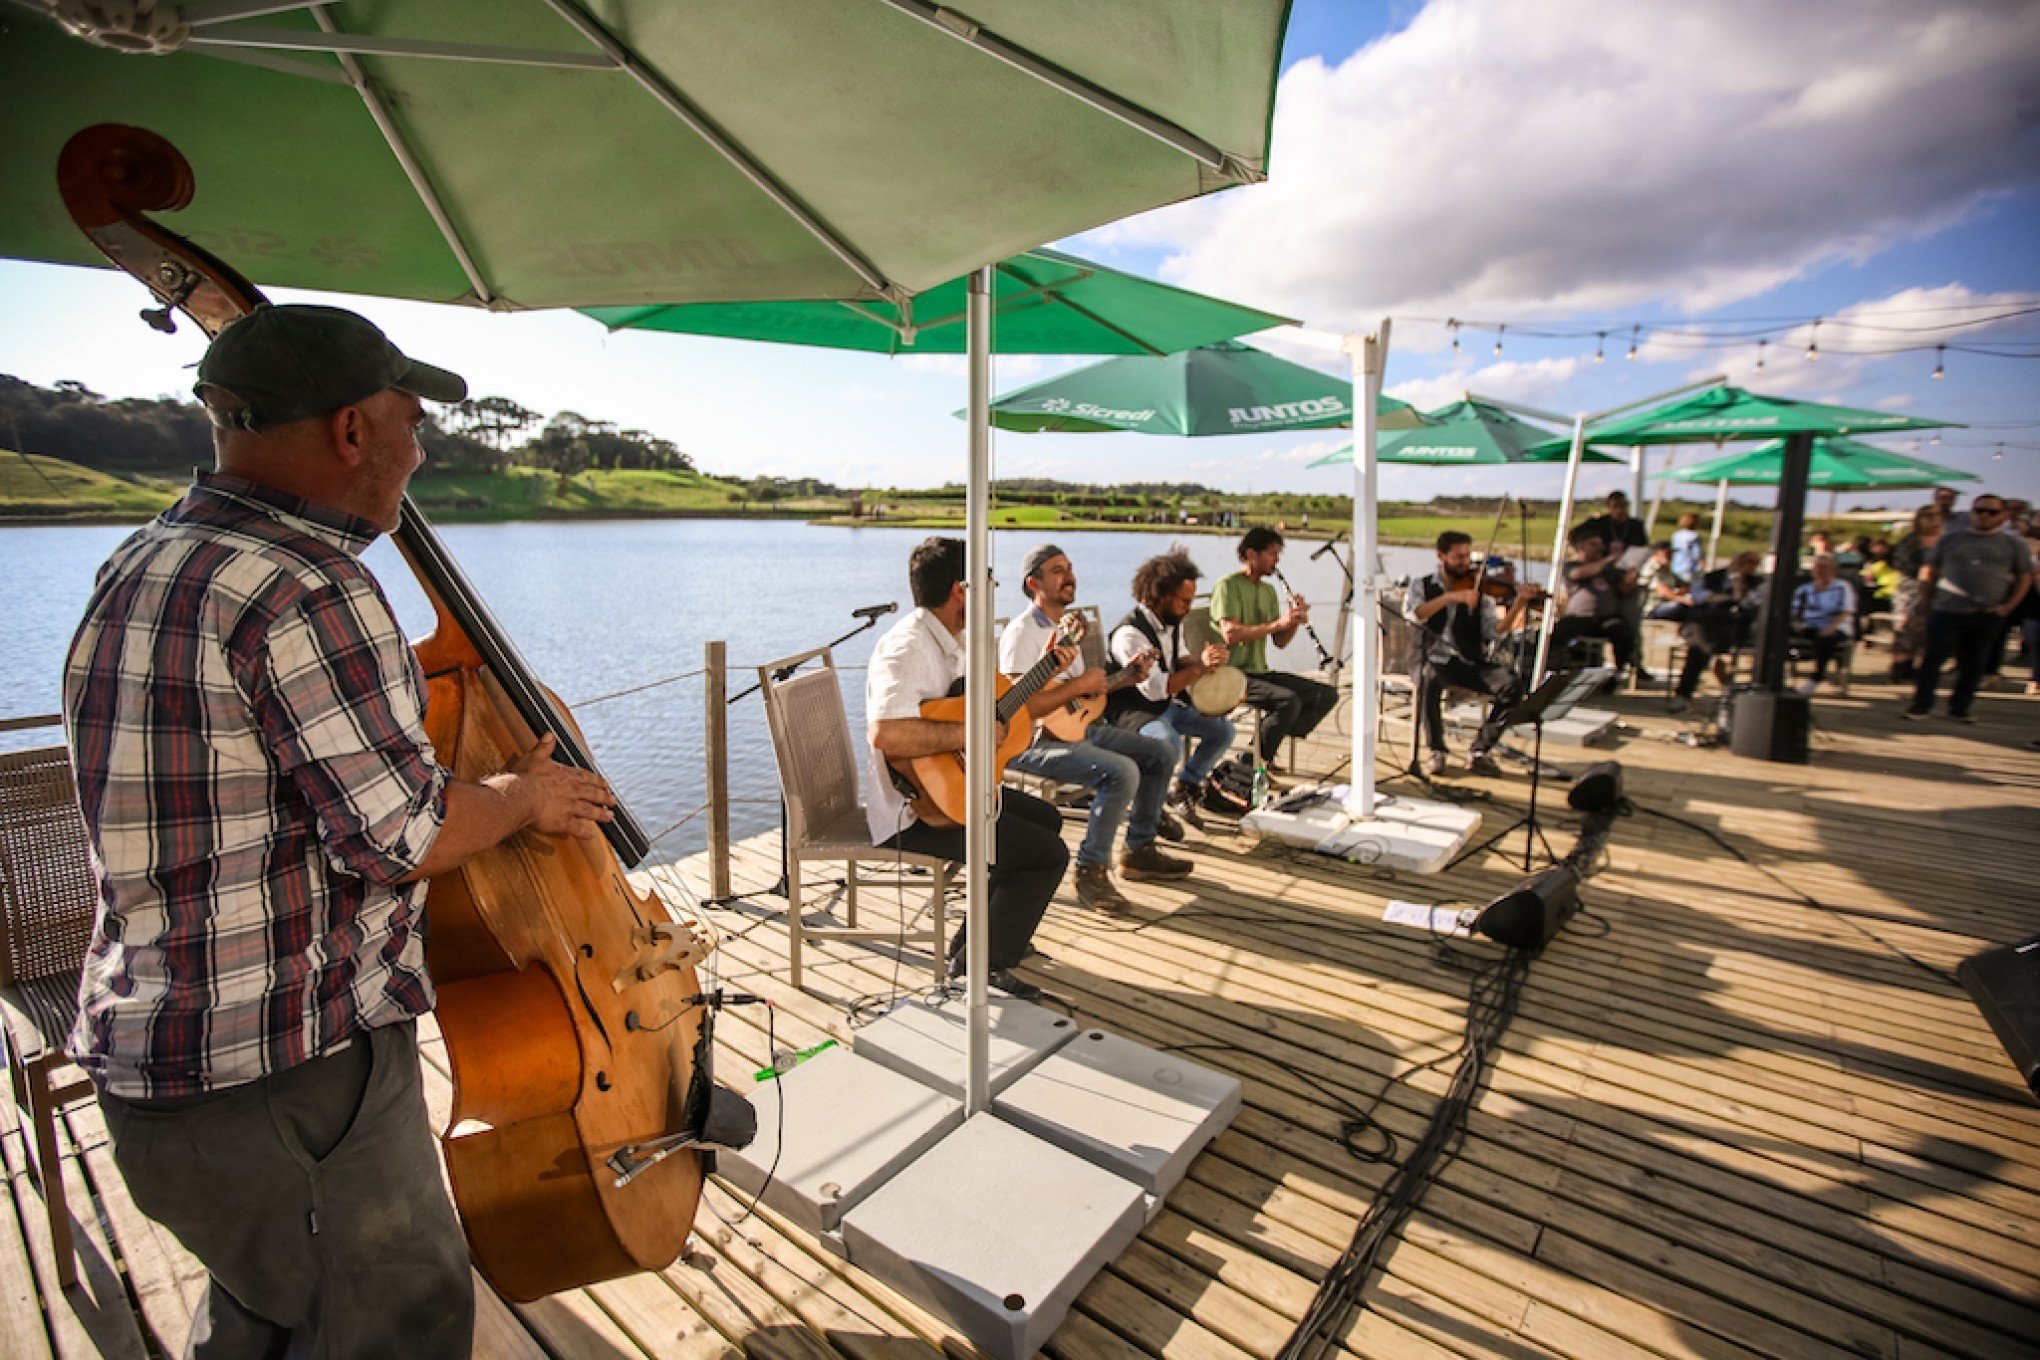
246 725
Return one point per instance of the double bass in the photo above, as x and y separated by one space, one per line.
579 1038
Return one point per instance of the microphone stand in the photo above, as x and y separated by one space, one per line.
869 616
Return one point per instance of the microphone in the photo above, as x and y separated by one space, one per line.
873 611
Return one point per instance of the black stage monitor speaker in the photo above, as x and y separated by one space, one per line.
1528 915
1598 788
1770 725
2005 984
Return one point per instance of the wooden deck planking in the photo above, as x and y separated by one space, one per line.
1733 1124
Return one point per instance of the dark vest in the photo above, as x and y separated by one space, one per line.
1464 623
1124 706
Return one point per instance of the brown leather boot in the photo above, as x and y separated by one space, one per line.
1096 890
1149 862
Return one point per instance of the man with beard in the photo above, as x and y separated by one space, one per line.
1164 588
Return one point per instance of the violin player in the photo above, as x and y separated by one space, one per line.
246 725
1461 616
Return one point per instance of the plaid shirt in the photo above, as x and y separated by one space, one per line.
247 727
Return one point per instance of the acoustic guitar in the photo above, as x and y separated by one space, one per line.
1070 721
934 785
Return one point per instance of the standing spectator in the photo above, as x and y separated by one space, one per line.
1686 550
1910 601
1617 531
2029 609
1854 554
1977 576
1823 612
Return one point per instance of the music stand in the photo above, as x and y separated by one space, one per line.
1559 692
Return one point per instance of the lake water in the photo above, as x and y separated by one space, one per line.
598 607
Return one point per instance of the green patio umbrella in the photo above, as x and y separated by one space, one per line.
1225 388
1838 464
1723 413
546 153
1043 302
1465 433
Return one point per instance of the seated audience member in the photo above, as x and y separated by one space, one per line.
1823 614
1595 586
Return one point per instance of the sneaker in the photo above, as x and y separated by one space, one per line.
1480 762
1185 801
1722 672
1096 890
1167 827
1435 763
1810 687
1969 718
1678 703
1148 862
1915 714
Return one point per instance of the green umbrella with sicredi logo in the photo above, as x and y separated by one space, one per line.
1216 389
1468 432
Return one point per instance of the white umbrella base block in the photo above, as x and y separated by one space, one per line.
928 1042
1581 727
833 1130
997 1231
1403 833
1135 1111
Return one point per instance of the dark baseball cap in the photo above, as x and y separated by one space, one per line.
293 362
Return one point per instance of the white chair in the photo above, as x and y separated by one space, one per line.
47 900
825 817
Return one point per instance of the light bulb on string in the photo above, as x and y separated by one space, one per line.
1935 440
1940 368
1633 331
1600 342
1813 343
1760 354
1453 326
1500 331
1999 455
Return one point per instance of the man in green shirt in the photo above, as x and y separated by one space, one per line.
1246 613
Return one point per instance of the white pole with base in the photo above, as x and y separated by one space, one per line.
1714 534
981 809
1558 538
1370 355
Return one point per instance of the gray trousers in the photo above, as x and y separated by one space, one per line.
313 1197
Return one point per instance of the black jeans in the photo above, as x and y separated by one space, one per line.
1294 707
1029 859
1498 681
1823 646
1967 638
313 1199
1620 636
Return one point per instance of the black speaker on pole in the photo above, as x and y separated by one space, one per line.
1770 724
1528 915
2005 985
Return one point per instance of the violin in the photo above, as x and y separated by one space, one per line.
1504 588
573 1019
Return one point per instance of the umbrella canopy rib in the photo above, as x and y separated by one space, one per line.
199 13
1161 129
428 195
290 39
676 104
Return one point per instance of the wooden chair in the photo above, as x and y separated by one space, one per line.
825 817
47 899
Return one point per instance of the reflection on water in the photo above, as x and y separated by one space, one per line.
606 606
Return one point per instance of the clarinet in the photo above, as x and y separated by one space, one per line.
1325 657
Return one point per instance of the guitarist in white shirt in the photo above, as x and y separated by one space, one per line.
921 658
1127 773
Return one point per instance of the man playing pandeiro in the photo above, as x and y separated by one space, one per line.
1460 621
247 730
1125 770
1164 588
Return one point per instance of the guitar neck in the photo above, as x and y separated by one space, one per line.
1025 688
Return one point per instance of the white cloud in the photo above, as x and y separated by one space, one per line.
1495 158
1533 383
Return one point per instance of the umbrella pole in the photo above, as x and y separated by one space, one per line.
1565 510
1776 628
1714 534
1370 355
1657 499
977 731
1638 462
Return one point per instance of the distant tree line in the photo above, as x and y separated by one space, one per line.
171 434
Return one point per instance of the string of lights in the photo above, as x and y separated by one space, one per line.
1847 336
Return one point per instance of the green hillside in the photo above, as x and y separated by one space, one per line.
33 487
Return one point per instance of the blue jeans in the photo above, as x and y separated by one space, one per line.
1122 769
1179 724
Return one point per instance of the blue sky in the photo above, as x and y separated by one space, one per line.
1596 164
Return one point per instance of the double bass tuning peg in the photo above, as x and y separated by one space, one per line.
160 319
